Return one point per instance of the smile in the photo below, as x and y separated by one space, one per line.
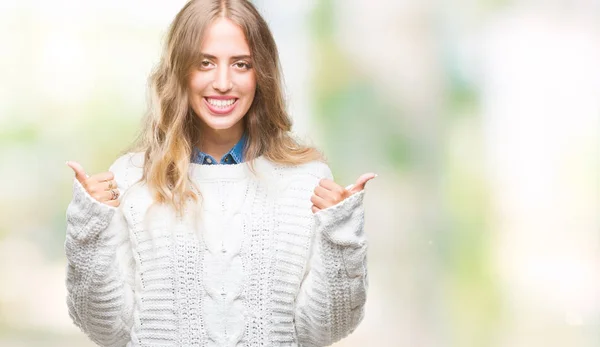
221 106
221 103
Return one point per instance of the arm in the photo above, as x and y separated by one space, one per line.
100 295
330 304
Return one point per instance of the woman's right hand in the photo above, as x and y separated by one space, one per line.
101 187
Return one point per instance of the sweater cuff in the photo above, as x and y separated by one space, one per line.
86 216
342 224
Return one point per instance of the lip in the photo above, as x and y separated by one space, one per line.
220 97
219 110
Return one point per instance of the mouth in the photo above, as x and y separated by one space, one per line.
220 106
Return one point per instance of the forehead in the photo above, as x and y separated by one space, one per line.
224 38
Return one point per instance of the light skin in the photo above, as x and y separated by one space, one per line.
328 193
99 186
224 75
225 71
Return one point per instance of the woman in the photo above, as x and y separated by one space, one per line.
218 229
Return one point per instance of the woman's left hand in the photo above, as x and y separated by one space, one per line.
329 193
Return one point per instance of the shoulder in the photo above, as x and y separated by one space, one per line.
308 174
128 169
316 169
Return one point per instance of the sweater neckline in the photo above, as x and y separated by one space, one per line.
202 172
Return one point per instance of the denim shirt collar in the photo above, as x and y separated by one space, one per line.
234 156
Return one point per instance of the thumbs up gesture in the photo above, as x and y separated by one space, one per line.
329 193
101 187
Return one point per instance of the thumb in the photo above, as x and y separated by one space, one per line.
78 169
360 182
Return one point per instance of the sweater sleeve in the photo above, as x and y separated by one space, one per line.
99 265
330 303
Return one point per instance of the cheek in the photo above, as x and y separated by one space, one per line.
197 83
250 85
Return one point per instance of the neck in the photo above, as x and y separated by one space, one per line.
218 142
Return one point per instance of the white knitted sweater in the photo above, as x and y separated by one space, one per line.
253 267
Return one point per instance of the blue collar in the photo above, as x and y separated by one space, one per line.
234 156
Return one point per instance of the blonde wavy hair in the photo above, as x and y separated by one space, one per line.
171 129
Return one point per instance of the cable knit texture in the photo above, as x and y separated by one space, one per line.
250 266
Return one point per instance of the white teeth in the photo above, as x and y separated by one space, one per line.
221 103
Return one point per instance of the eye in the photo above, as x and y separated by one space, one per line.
205 64
243 65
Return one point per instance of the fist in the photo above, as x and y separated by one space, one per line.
329 193
101 187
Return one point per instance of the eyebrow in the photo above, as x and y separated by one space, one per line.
235 57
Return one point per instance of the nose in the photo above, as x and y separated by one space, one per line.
222 81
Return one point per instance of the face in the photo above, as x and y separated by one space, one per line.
221 88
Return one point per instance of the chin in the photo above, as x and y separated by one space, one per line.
220 124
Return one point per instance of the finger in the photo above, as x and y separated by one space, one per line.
115 196
361 181
80 174
328 195
105 195
110 184
331 185
103 176
315 209
96 189
113 203
319 202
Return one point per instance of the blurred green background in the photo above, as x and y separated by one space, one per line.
482 119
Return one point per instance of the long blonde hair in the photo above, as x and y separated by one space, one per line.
171 129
